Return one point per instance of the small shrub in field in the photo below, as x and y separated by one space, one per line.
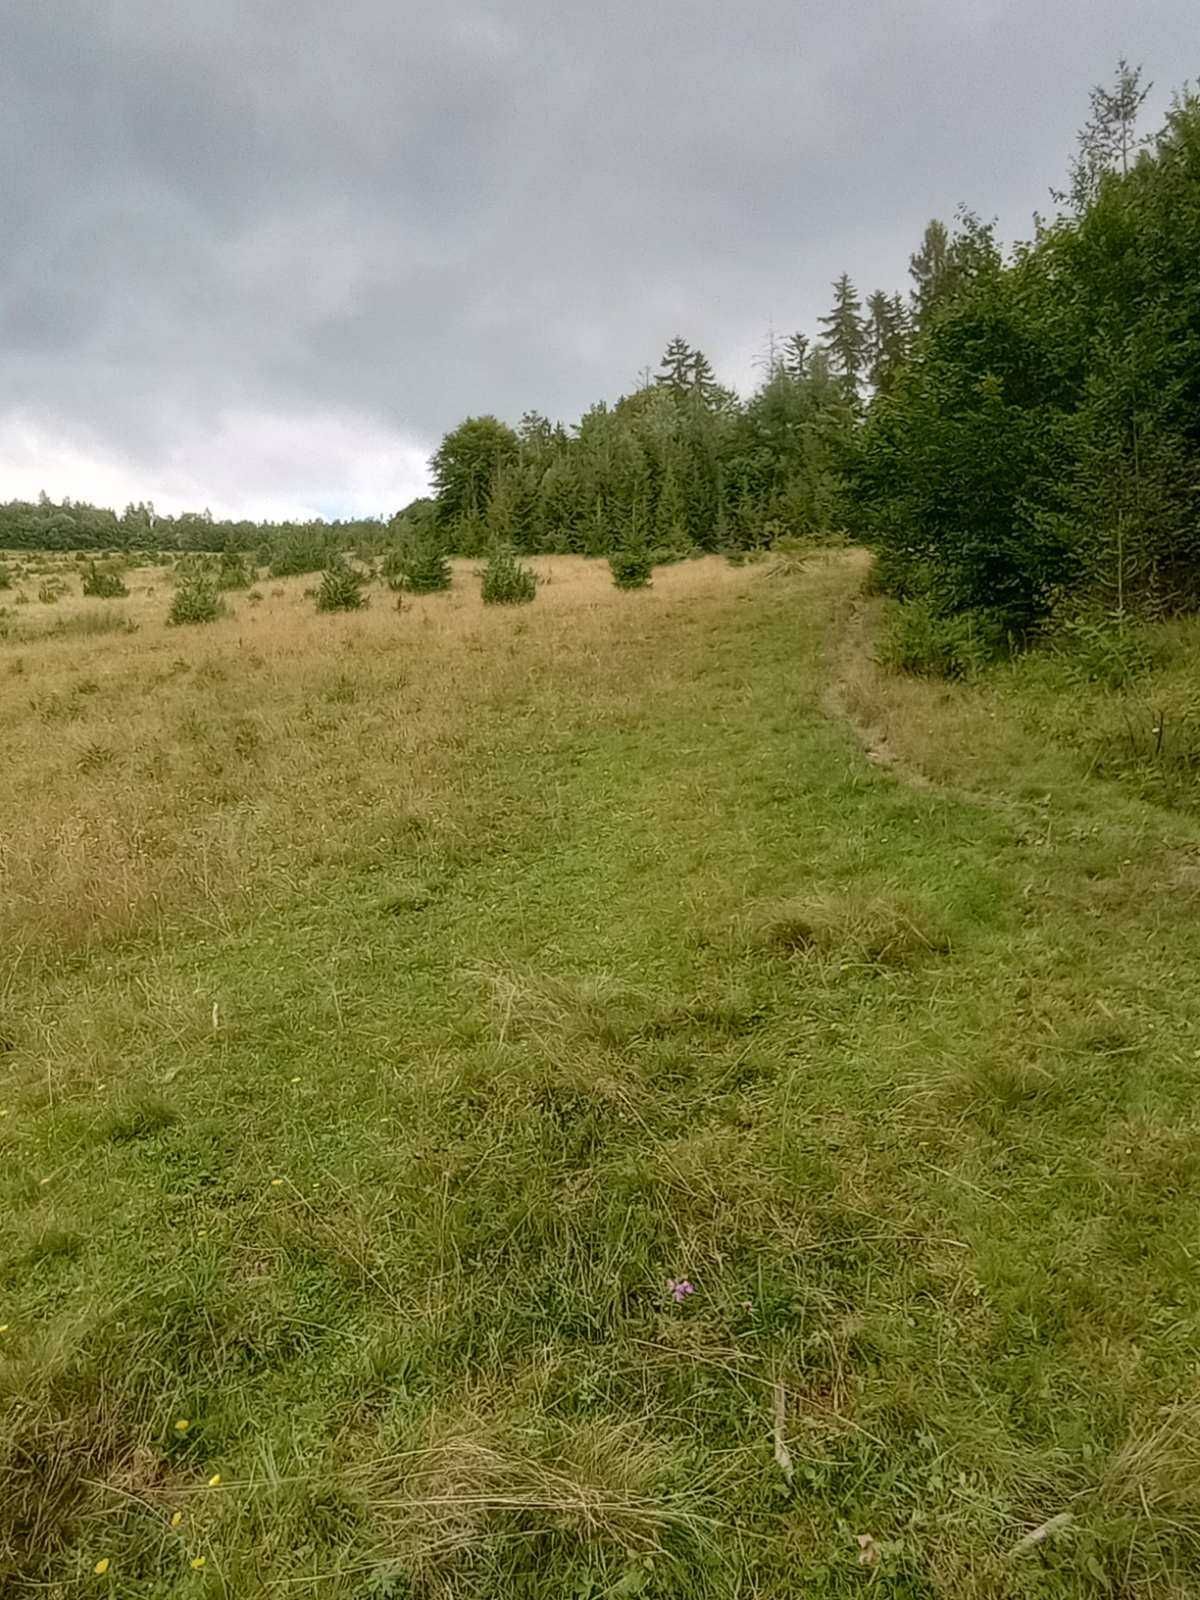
101 585
255 597
233 572
631 567
506 582
341 587
195 600
51 592
929 644
5 577
418 563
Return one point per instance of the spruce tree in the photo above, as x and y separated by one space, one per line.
932 270
687 372
886 339
671 521
674 370
794 361
844 334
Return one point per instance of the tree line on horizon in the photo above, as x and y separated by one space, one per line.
1017 433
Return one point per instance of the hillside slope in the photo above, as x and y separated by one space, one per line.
519 1104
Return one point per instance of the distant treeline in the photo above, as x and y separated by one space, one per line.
680 464
1017 435
74 525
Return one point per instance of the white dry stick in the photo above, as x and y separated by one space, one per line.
783 1457
1046 1530
216 1016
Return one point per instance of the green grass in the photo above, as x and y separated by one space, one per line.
379 1183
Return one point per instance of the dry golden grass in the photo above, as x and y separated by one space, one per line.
172 769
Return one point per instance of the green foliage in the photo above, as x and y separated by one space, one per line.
5 577
845 334
927 644
1042 454
196 599
233 571
103 584
1105 650
51 591
1108 140
418 562
679 465
505 581
301 551
341 587
631 566
466 466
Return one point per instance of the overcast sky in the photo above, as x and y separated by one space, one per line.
259 254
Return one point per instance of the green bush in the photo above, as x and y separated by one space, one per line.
195 600
506 582
1104 650
299 553
418 563
5 577
341 587
233 571
631 567
51 591
930 644
100 584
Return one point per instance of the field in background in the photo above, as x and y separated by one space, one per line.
394 1005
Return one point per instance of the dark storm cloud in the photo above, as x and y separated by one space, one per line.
236 231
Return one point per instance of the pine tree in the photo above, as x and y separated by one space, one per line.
844 336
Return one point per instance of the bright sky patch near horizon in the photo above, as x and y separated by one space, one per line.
261 254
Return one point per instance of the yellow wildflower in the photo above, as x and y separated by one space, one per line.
214 1480
197 1563
101 1567
176 1519
182 1425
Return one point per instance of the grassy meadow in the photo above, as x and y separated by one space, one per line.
618 1096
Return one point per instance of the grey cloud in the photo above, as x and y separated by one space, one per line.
402 213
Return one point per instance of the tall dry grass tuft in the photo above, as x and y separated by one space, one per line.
472 1486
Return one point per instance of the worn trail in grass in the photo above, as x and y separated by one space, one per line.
376 1172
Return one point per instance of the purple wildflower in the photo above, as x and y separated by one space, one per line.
680 1289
